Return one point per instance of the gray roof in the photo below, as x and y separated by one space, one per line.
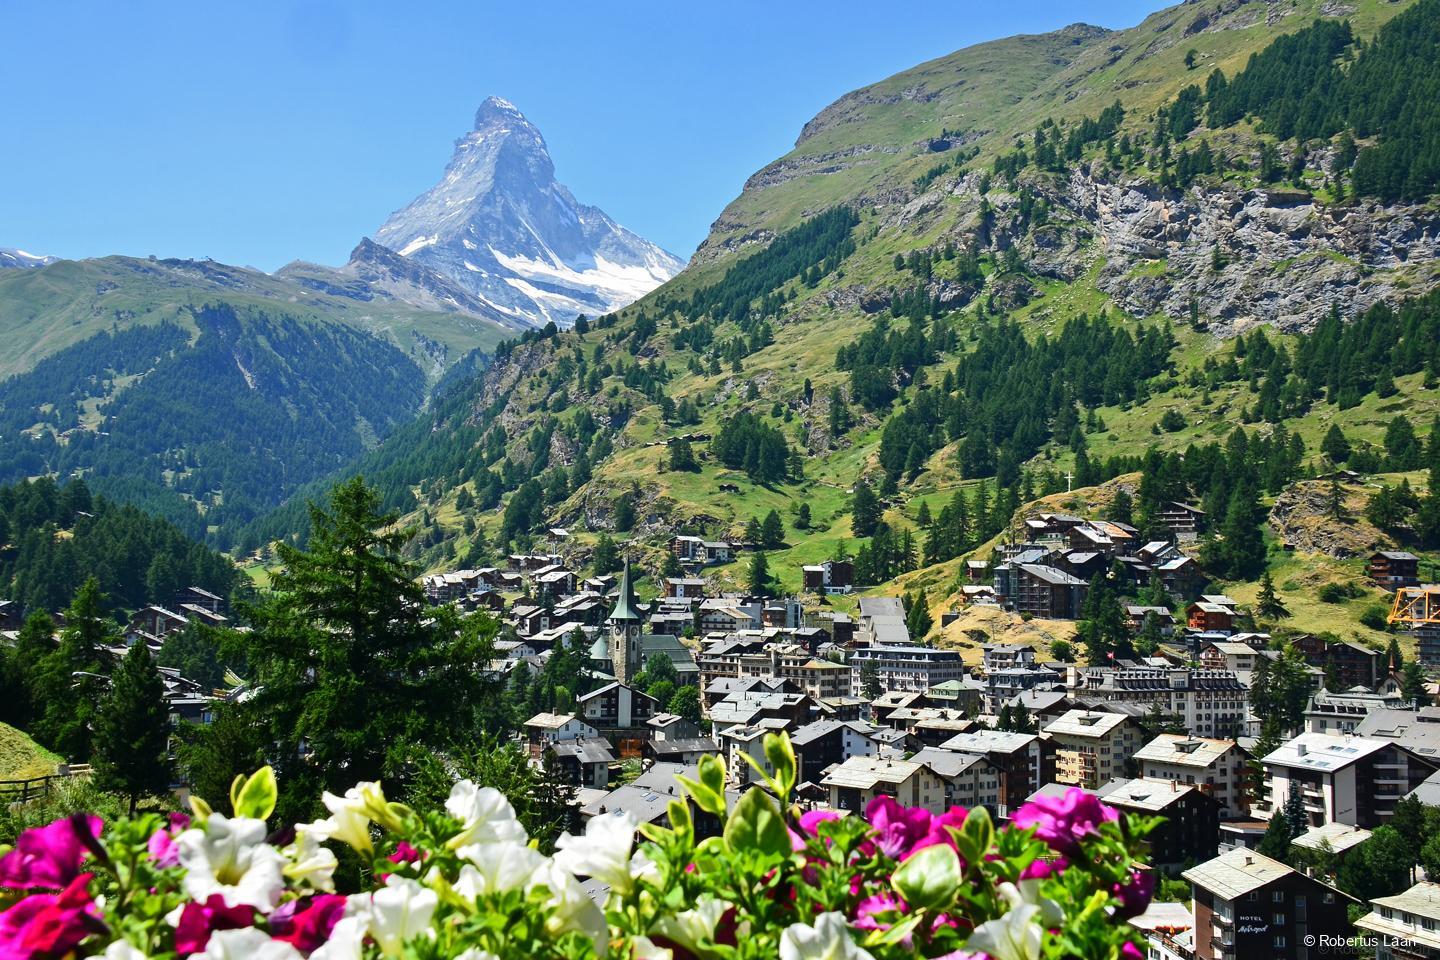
1236 872
586 750
946 764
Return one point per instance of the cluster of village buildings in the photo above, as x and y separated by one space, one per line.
872 711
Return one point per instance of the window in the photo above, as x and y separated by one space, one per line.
1280 941
1279 919
1277 896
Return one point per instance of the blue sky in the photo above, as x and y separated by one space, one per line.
263 132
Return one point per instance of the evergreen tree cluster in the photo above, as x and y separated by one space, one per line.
746 442
53 538
1320 82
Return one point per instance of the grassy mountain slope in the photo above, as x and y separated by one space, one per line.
45 310
573 429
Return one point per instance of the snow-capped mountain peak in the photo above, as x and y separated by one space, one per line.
500 226
10 257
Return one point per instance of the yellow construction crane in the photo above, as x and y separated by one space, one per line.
1416 606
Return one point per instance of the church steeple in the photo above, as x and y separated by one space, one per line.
626 607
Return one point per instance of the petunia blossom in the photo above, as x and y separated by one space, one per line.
50 856
45 925
308 926
247 944
486 814
828 939
397 913
602 852
1062 822
229 856
197 921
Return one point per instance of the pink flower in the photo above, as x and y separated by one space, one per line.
198 921
307 929
1131 952
939 831
1042 868
404 853
1063 821
811 819
867 910
897 828
50 856
47 926
1134 896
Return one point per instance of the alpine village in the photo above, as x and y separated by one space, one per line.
1052 433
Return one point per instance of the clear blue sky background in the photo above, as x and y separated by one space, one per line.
261 132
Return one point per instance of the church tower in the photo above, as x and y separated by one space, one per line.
625 623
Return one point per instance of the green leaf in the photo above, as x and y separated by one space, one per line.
782 759
757 826
930 878
975 835
256 797
709 791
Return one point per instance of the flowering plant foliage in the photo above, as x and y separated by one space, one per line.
466 882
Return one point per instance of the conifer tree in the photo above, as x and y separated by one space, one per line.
132 730
68 684
1268 605
757 578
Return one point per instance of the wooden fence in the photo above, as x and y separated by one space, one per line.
19 791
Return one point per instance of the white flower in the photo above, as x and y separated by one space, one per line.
350 815
345 942
123 950
398 913
486 814
829 939
691 928
246 944
495 868
645 950
1015 936
475 953
571 908
603 853
310 863
228 856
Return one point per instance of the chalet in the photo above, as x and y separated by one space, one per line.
1043 591
1136 615
1210 617
554 583
1215 767
200 597
1190 828
449 587
547 729
882 621
531 562
977 571
1181 577
1001 656
1091 748
158 621
1406 924
1181 518
529 618
821 744
1019 760
684 587
10 618
859 780
1393 569
699 551
585 761
1084 564
686 750
831 576
669 726
1353 664
617 709
969 779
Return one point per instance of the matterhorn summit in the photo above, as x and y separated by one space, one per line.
499 226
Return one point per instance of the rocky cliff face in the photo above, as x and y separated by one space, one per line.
499 226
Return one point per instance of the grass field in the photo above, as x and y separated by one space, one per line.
22 758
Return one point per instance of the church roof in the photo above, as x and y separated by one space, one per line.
626 607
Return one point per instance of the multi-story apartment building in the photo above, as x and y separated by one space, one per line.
1020 761
1247 906
1342 779
1209 703
1407 924
1090 747
906 668
1216 767
859 780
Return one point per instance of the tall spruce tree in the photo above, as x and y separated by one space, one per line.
132 730
353 675
68 684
